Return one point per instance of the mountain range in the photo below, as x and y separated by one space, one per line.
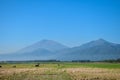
48 49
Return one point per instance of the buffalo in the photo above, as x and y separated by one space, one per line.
37 65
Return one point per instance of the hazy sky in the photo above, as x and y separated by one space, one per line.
71 22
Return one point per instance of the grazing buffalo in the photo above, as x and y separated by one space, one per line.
0 66
37 65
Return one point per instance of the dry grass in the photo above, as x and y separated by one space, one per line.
94 74
33 74
57 74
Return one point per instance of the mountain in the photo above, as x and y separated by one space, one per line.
49 45
48 49
95 50
41 50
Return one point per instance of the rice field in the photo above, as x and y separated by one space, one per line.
60 71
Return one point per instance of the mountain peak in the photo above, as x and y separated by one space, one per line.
46 40
101 40
49 45
97 42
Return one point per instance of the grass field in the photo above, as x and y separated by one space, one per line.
60 71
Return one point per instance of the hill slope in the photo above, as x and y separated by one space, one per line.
47 49
43 44
94 50
41 50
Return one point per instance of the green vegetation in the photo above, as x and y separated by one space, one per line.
93 65
60 71
63 65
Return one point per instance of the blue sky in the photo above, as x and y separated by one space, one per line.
71 22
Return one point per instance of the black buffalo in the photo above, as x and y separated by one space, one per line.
0 66
37 65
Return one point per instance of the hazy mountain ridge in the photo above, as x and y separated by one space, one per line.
43 44
94 50
47 49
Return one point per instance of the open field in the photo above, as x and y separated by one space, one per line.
60 71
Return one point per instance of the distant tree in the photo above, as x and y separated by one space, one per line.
81 61
112 60
118 60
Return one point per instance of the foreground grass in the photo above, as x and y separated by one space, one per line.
94 74
34 74
61 71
